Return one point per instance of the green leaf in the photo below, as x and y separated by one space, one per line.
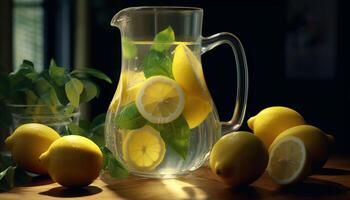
129 118
85 124
74 88
69 109
61 95
10 174
98 135
129 50
53 62
157 64
26 67
162 41
98 120
33 76
57 74
90 91
50 97
74 129
115 168
31 97
42 86
7 178
46 92
176 134
27 64
5 161
19 82
21 176
92 72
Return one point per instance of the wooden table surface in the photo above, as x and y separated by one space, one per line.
333 182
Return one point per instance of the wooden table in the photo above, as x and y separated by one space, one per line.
333 182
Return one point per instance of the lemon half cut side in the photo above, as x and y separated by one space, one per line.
289 161
188 73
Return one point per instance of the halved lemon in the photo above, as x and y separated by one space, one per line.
289 161
160 100
196 110
188 73
143 148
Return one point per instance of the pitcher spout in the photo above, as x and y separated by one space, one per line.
120 18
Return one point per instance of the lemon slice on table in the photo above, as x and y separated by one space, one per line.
289 161
143 148
160 100
188 73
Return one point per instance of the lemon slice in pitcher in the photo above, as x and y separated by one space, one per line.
128 86
160 100
143 148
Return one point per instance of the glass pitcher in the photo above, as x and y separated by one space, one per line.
162 121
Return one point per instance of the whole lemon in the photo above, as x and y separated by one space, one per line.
239 158
316 141
73 161
28 142
272 121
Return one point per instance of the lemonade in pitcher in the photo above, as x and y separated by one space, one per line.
162 121
162 110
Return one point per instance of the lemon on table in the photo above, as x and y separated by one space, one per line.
289 161
238 158
73 161
160 100
28 142
316 141
143 148
272 121
188 73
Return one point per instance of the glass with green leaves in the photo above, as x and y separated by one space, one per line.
51 97
162 121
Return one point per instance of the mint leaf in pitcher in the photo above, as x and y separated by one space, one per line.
162 41
176 134
130 118
158 60
129 50
115 168
157 64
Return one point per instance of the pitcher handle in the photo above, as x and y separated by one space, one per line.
213 41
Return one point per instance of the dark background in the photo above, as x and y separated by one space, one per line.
262 27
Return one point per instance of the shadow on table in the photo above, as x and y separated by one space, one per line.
189 187
315 188
71 192
332 171
38 180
